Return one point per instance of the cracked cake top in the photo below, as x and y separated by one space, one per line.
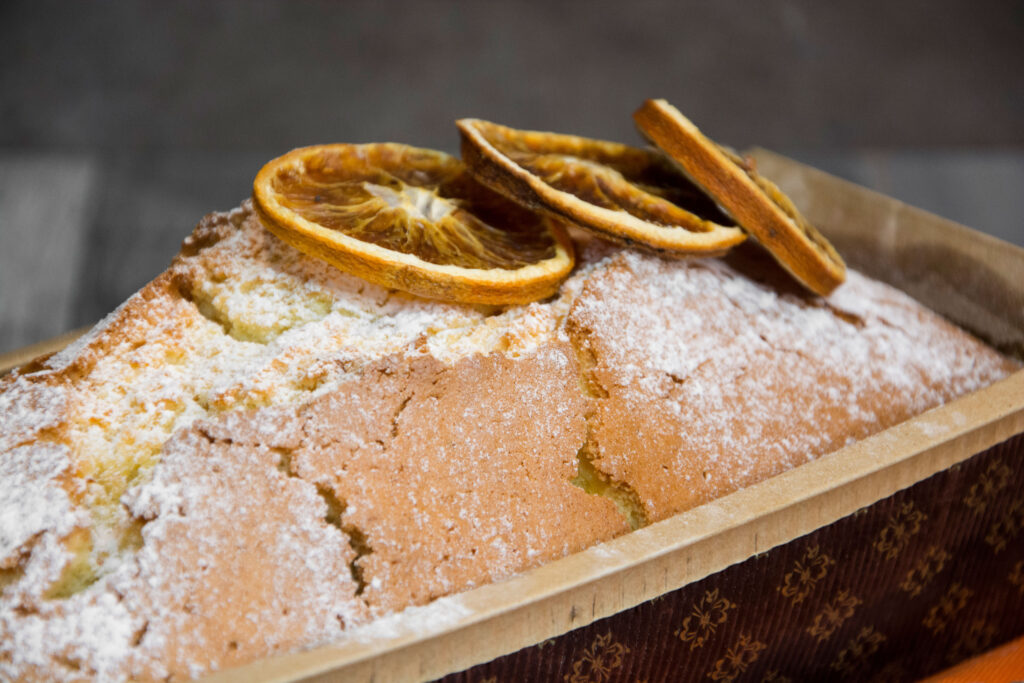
258 453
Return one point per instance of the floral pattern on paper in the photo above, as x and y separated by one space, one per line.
598 661
807 571
835 612
737 659
974 640
858 651
946 609
1016 576
930 564
706 616
896 535
990 482
893 672
1007 527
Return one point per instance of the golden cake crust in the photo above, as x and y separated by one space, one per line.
257 453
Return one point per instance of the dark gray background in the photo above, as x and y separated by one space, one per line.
122 123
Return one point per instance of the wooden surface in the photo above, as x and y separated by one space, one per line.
79 234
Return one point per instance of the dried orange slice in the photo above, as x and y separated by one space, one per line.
411 219
627 195
756 203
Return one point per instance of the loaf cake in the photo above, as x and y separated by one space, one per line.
257 453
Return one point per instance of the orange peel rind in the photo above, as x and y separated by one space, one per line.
757 204
630 196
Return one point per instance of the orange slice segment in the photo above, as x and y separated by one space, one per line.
755 202
627 195
411 219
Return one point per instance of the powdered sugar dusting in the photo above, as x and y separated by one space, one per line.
693 345
31 500
437 616
28 408
265 326
282 581
91 634
227 436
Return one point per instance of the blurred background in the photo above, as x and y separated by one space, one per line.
122 123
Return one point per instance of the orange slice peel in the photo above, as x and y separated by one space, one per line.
624 194
414 220
757 204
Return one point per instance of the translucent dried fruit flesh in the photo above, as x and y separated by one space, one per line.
411 219
415 202
630 195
